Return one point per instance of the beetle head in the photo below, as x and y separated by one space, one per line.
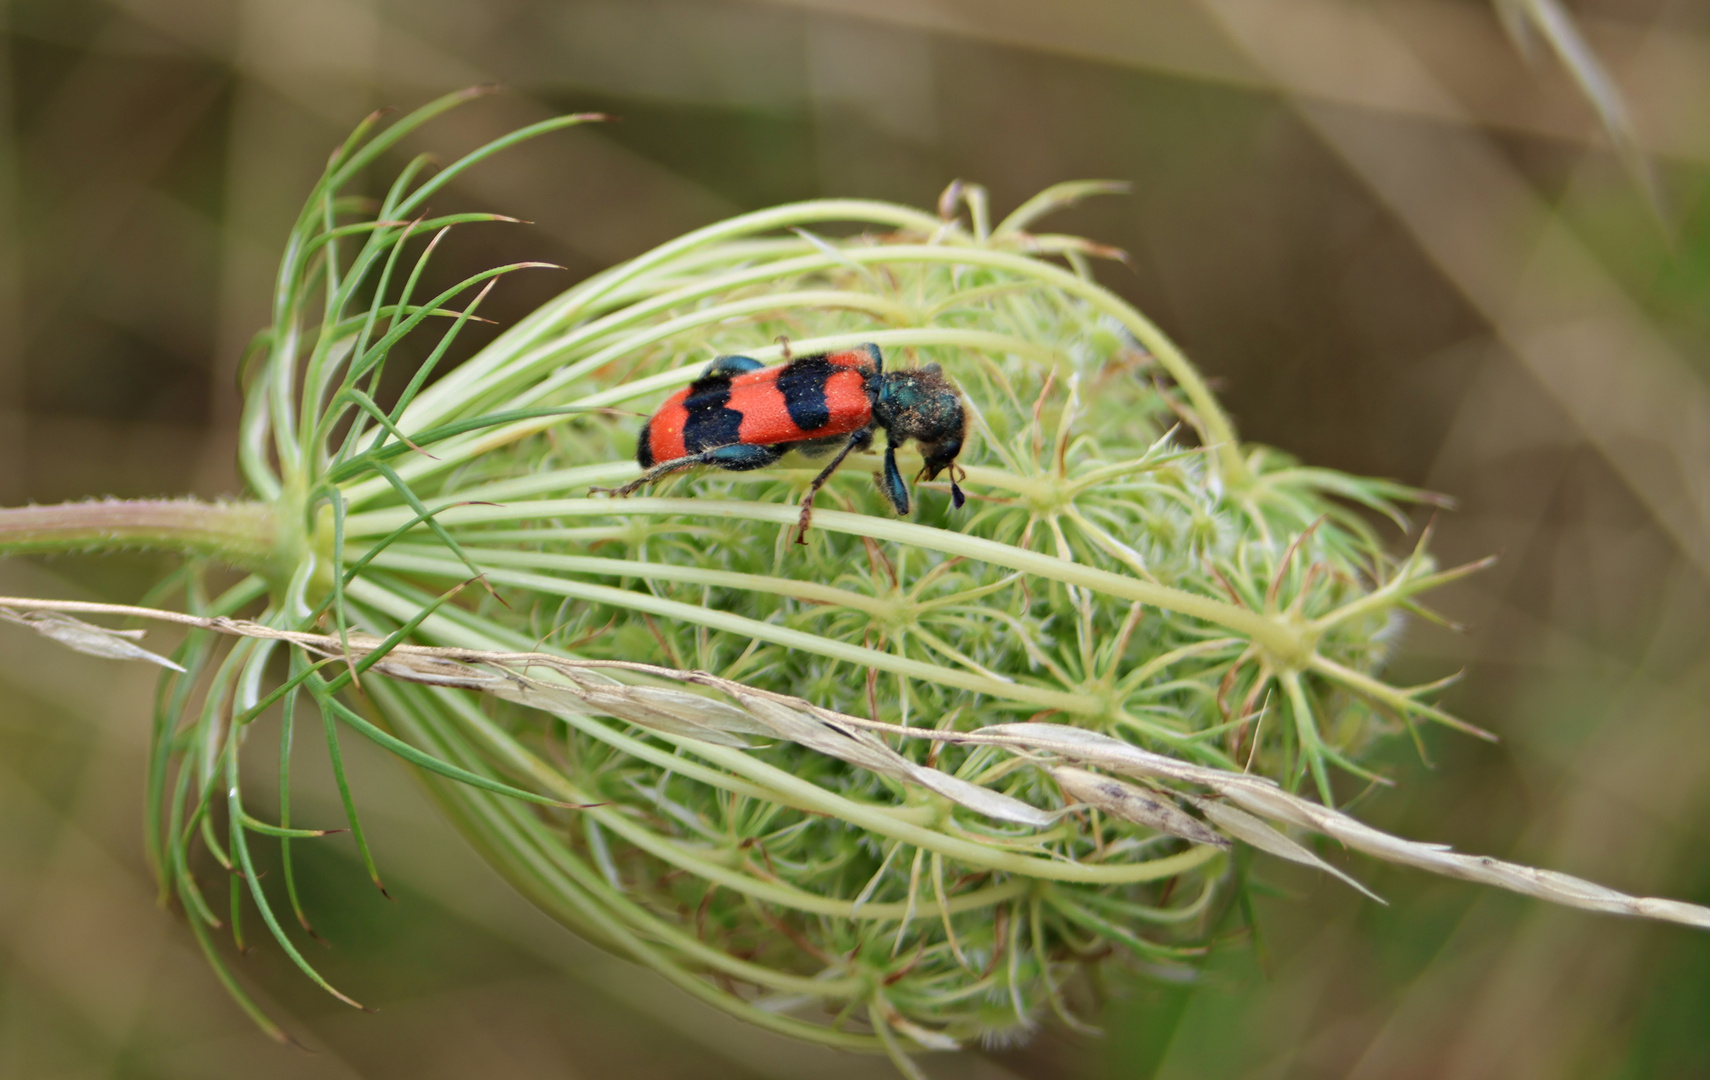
925 406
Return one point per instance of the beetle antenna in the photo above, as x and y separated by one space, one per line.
783 341
956 497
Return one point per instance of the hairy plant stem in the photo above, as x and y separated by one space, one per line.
241 534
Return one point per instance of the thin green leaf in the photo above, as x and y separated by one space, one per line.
366 461
470 160
287 729
419 379
355 160
431 763
427 517
330 729
256 825
240 848
237 993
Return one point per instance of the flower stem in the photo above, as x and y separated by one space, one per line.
241 534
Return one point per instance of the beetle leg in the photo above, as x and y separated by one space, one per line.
741 457
736 458
890 481
858 440
731 365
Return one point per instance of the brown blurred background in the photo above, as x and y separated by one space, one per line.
1398 248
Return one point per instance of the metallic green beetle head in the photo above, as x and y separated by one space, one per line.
925 406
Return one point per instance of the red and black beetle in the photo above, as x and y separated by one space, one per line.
741 415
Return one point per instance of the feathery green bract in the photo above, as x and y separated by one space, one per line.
1123 564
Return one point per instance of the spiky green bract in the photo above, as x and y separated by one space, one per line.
1124 564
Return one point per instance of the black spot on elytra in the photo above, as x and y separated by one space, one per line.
711 422
802 382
